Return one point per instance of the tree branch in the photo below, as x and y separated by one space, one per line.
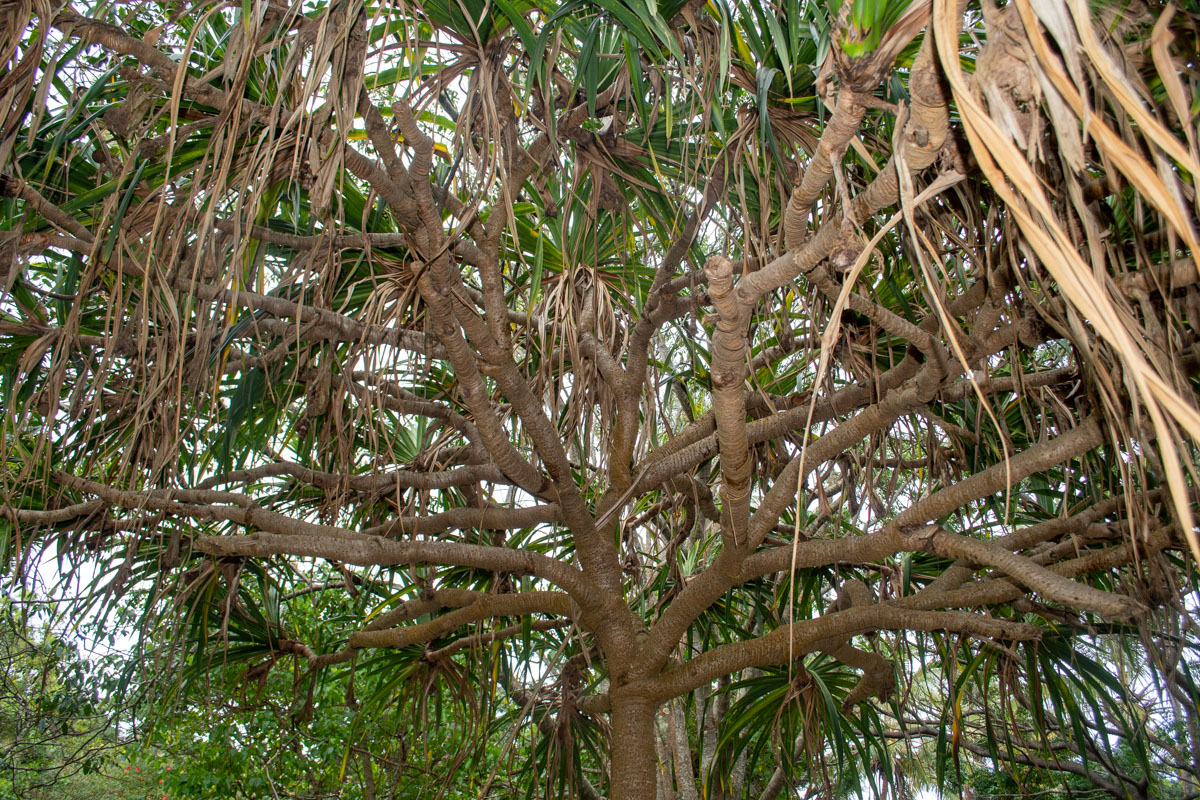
485 606
805 636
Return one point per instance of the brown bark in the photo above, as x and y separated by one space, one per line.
634 768
843 125
397 479
729 354
482 639
1026 571
802 637
370 551
484 607
877 673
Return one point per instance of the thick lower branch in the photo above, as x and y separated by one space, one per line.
50 516
800 638
1038 458
491 518
481 639
486 606
375 551
1026 571
398 479
431 600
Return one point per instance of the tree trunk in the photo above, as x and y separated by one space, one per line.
685 775
634 763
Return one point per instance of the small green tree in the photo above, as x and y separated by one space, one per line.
56 733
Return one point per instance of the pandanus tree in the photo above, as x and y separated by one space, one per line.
723 398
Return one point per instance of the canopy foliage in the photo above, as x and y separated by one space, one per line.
620 397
